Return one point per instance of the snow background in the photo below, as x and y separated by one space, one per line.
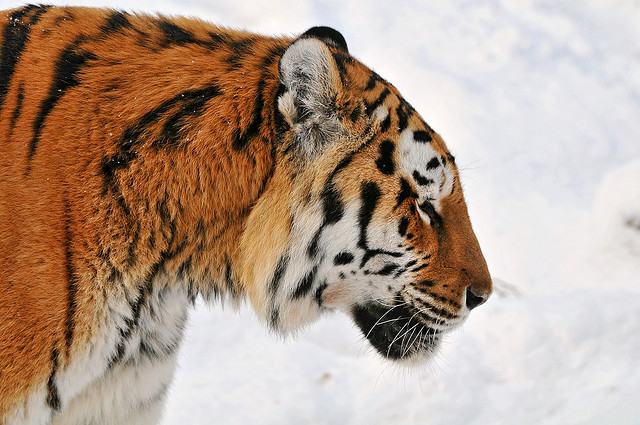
540 103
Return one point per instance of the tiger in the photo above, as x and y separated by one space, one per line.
149 161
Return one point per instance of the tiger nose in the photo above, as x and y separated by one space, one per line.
475 297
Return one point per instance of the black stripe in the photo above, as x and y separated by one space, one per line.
370 195
269 103
421 180
173 131
433 163
240 49
275 317
14 39
304 286
429 209
184 268
218 39
370 253
403 118
231 287
116 22
318 295
406 192
241 138
69 64
53 397
385 161
379 101
371 84
192 293
159 350
411 263
402 227
127 151
422 136
342 60
173 34
344 162
189 102
451 158
333 211
441 312
399 273
72 280
17 110
355 113
332 206
131 324
168 223
201 236
180 247
387 269
343 258
385 124
281 267
445 300
312 249
420 267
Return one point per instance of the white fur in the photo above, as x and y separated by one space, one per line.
414 156
133 390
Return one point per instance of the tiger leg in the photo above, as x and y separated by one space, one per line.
131 393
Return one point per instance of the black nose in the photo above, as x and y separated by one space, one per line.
474 300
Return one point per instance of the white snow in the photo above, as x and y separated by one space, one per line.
540 103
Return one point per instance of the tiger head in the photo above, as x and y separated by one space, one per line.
365 212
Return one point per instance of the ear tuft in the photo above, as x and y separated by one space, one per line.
329 36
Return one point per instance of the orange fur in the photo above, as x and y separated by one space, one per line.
57 194
114 160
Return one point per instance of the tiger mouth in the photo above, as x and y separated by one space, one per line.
396 331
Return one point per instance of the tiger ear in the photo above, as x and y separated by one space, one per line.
329 36
311 81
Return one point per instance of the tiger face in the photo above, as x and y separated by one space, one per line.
367 216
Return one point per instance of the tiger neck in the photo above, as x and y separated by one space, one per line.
180 205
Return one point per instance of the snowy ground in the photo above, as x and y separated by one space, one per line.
540 103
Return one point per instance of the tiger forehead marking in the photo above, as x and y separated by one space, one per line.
149 160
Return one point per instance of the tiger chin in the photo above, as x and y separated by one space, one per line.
146 161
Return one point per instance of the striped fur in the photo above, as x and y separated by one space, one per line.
145 161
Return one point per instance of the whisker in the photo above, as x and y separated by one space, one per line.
387 312
378 321
406 339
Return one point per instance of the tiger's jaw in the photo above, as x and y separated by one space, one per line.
397 332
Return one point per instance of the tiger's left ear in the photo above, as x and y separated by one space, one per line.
311 79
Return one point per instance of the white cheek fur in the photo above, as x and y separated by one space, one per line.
417 159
